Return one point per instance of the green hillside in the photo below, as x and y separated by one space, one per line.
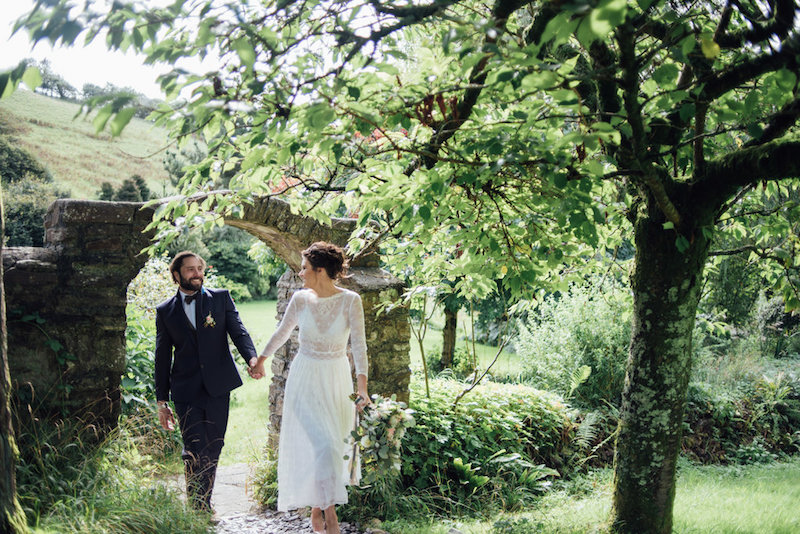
79 159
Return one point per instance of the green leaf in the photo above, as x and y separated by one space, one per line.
120 120
320 115
32 78
539 80
253 158
246 52
666 74
424 212
710 48
682 244
102 117
687 45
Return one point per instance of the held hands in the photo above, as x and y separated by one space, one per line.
256 369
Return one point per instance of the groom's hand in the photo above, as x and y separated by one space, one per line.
165 416
256 369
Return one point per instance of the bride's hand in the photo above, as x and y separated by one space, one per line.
362 400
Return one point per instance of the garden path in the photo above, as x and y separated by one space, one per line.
239 514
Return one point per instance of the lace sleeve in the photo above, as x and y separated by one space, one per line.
358 339
284 329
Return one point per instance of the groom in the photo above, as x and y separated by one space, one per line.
194 366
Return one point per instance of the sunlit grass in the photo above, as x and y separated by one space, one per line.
763 499
80 159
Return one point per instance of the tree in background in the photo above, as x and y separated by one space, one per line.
53 84
175 161
30 191
133 189
94 95
530 133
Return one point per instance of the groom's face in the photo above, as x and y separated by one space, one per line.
191 274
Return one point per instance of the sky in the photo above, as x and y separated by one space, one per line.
94 64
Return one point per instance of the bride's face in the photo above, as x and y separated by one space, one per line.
309 275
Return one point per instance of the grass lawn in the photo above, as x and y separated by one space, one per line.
248 423
757 499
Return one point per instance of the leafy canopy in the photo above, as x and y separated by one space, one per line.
496 141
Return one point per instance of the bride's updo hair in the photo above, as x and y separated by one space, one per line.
328 256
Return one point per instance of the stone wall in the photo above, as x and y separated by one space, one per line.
66 307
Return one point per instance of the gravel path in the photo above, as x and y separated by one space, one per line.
238 514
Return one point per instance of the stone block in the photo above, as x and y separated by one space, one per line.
71 211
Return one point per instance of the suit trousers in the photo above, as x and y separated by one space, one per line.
203 424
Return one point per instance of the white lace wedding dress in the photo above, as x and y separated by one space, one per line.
318 414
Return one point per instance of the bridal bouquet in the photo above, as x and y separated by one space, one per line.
379 435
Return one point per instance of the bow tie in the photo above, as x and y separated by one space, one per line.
189 298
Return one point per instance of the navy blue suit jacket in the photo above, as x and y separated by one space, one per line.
191 363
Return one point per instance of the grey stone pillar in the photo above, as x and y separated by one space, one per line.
66 304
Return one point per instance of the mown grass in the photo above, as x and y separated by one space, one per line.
79 159
763 499
248 423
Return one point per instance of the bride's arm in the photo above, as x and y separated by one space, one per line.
281 335
358 345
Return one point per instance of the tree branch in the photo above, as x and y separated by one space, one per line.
779 26
779 123
775 160
746 71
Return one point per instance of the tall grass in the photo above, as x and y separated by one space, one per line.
72 480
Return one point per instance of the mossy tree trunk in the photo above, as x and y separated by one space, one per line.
12 519
666 289
449 336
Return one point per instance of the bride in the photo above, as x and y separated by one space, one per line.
318 414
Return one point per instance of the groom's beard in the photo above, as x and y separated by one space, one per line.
191 284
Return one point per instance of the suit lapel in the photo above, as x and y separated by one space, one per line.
199 310
181 313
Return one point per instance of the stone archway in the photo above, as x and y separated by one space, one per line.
67 337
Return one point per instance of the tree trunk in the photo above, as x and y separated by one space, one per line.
449 336
666 290
12 519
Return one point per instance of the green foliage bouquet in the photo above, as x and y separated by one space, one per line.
379 435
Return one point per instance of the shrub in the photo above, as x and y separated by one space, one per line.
587 326
495 450
464 364
751 424
17 164
25 204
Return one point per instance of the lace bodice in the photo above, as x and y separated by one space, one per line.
325 325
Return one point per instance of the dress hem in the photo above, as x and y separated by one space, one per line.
321 506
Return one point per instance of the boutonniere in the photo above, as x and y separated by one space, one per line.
209 322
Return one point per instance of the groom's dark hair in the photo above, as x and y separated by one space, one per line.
177 263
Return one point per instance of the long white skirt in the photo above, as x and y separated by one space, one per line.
318 417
